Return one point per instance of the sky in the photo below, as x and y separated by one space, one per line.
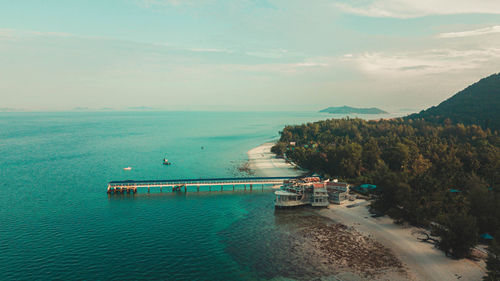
243 55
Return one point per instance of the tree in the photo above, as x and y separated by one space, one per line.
279 148
397 156
493 262
458 234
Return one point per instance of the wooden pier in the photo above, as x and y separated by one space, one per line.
131 186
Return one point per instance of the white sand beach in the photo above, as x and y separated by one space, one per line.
422 260
265 164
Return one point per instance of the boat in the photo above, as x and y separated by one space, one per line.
127 168
166 162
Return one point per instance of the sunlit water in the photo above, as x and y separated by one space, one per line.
57 222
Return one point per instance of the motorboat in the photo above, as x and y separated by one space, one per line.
166 162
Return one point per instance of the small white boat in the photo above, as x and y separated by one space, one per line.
127 168
165 161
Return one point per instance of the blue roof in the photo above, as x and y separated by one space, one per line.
455 190
368 186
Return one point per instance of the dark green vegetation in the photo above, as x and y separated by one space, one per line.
493 262
349 110
477 104
448 174
432 171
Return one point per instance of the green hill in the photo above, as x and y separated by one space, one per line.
477 104
350 110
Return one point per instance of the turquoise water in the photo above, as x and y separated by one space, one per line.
58 223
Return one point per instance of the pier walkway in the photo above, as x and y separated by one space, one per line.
179 184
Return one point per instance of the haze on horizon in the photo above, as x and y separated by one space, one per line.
249 54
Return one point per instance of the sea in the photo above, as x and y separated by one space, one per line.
58 223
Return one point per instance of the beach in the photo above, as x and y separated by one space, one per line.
422 260
264 163
352 232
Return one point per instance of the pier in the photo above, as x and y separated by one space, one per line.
131 186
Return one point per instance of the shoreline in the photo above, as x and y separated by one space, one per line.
264 163
420 260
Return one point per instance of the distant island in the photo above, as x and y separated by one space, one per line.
348 110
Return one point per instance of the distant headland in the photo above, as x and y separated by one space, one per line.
348 110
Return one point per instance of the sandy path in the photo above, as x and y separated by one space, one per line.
264 163
423 261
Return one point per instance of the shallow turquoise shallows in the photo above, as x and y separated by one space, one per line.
58 223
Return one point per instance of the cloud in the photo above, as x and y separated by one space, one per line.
425 62
277 68
475 32
270 54
311 64
6 34
14 33
209 50
151 3
290 68
420 8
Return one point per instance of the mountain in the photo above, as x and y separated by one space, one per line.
477 104
348 110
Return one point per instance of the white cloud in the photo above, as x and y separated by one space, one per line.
209 50
276 68
432 61
475 32
418 8
12 33
311 64
163 44
270 54
6 34
151 3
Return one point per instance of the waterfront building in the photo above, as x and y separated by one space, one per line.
337 191
304 191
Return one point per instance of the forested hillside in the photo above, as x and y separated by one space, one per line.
477 104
